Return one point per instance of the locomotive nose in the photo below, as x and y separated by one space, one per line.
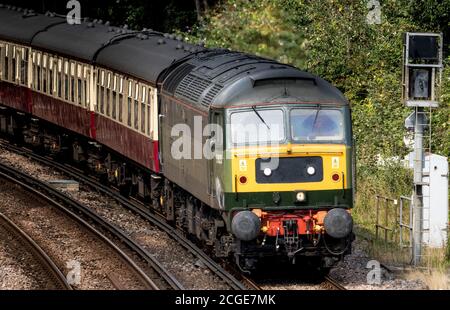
246 225
338 223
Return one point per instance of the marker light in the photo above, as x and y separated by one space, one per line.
311 170
243 179
300 196
267 172
335 177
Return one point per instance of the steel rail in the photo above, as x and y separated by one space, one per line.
334 284
36 251
164 278
137 208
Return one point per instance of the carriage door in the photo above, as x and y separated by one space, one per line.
215 163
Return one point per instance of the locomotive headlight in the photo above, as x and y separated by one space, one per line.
300 196
267 172
311 170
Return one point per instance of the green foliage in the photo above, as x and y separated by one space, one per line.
432 15
332 39
260 27
441 117
389 180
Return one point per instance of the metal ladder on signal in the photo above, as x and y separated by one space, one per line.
426 117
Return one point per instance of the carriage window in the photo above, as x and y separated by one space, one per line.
120 107
18 57
5 71
120 104
114 96
108 97
102 100
108 102
136 107
66 87
44 73
58 78
143 109
1 61
129 111
52 82
80 91
24 67
51 76
136 114
72 82
38 73
85 94
66 80
13 65
130 95
86 86
44 80
114 105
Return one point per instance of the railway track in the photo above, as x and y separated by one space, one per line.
54 274
328 283
135 206
332 284
160 278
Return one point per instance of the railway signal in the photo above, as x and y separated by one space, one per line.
422 58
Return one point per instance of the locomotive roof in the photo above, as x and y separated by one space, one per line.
203 77
222 78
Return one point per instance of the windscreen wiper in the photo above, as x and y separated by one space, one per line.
260 117
315 117
313 134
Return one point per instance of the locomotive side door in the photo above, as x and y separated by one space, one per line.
215 161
